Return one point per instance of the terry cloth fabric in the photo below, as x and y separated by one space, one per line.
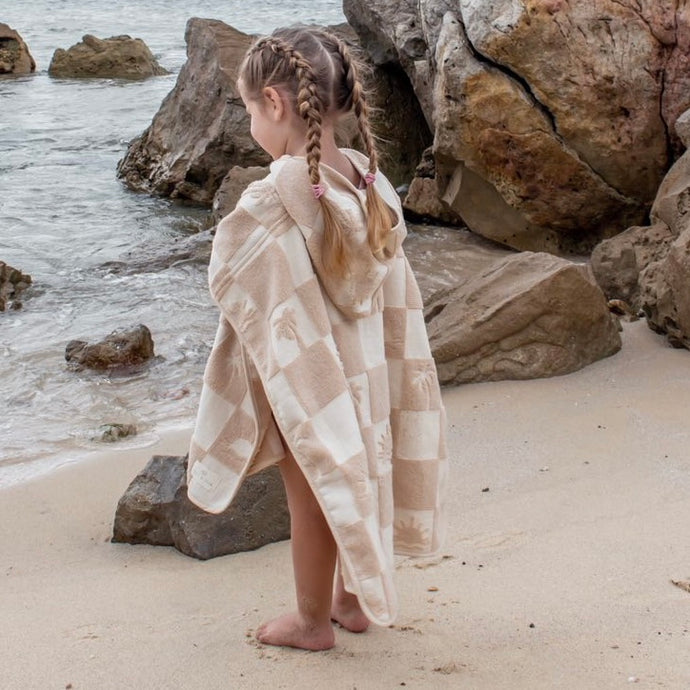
338 368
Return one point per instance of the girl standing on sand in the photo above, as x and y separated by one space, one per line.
321 362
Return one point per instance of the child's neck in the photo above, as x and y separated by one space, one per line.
332 156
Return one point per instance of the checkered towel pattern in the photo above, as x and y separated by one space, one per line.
340 371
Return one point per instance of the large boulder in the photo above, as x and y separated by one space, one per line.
647 266
12 283
666 295
552 120
618 262
122 349
202 129
155 510
528 315
15 57
117 57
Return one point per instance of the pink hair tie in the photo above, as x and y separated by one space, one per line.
370 178
319 190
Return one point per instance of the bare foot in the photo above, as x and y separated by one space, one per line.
349 615
291 630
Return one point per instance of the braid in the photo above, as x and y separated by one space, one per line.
309 104
358 103
380 219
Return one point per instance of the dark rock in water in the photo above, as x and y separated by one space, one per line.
14 55
122 348
110 433
202 127
12 283
155 510
145 258
117 57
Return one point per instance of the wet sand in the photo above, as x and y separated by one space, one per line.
569 510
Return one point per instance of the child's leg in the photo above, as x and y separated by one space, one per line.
313 561
346 609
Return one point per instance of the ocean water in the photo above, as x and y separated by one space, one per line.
64 217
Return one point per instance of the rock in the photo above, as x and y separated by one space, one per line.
123 348
423 198
202 130
618 262
12 283
683 128
528 315
231 188
117 57
15 57
551 120
155 510
111 433
646 266
443 257
665 295
148 257
672 203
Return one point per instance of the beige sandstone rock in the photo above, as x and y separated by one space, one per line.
666 294
117 57
618 262
15 57
529 315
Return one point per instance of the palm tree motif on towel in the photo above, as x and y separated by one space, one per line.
409 535
357 397
243 313
424 378
384 447
286 328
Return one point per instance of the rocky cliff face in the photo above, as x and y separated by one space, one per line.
552 120
202 129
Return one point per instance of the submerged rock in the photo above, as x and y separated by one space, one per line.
155 510
12 283
123 348
15 58
113 432
117 57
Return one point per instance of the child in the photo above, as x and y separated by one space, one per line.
321 362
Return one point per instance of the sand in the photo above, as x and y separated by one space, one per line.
569 517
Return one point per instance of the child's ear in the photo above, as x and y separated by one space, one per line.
275 106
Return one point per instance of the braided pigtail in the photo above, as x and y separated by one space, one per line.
380 219
310 108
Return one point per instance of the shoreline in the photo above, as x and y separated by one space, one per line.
568 514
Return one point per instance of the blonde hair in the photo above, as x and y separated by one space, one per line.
316 71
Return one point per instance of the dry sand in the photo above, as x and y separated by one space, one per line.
569 517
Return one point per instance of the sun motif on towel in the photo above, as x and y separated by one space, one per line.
410 535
